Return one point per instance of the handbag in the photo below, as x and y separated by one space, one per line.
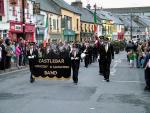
83 55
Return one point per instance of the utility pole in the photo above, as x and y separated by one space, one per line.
23 17
131 26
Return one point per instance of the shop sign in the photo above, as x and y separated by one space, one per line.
15 27
29 28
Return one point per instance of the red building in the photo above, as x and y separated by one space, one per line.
16 31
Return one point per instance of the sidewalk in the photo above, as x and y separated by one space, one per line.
13 69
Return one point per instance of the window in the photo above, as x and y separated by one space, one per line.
14 12
85 28
57 24
77 24
5 33
54 24
81 28
28 14
40 19
1 7
68 22
89 28
50 23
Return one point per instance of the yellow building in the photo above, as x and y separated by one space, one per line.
87 21
70 21
71 28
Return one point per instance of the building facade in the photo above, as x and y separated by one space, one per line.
18 29
48 22
70 21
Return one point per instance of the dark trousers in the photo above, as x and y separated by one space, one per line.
101 69
106 70
94 57
86 60
90 58
8 62
75 69
147 77
2 64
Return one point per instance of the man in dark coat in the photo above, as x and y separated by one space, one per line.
75 62
32 54
106 55
100 60
147 71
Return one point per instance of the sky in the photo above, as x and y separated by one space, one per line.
114 3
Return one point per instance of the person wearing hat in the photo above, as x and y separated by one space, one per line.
100 59
106 55
32 53
75 62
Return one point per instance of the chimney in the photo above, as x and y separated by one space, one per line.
77 3
88 6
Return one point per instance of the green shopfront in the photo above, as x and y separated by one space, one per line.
69 35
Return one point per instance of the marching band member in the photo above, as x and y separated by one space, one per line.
32 53
86 60
75 62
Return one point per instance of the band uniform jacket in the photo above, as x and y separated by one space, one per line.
75 59
34 53
106 56
31 60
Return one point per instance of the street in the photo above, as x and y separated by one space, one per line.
123 94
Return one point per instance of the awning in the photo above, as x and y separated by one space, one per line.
69 32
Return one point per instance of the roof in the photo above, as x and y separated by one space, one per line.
145 20
127 21
129 10
86 13
102 16
109 16
65 5
49 5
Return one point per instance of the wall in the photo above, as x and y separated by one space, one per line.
74 21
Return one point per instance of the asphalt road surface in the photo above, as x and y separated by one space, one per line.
123 94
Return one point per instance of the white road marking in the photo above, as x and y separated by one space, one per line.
92 108
13 71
